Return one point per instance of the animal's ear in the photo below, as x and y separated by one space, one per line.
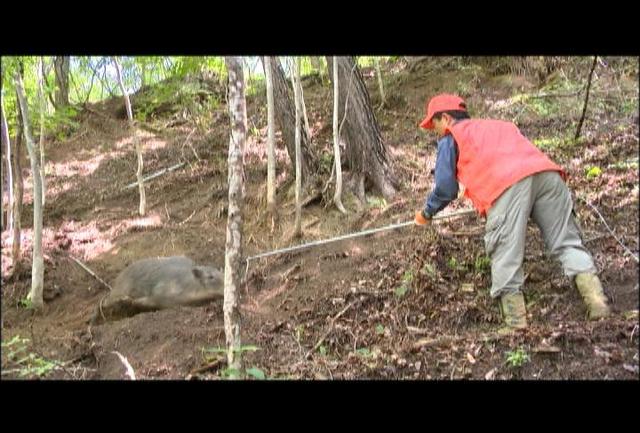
198 272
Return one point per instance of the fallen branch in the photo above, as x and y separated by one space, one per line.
130 372
211 366
156 174
83 266
326 334
611 231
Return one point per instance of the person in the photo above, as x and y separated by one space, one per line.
508 179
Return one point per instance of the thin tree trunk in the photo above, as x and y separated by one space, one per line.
285 117
18 191
43 108
316 63
304 111
45 74
127 101
233 248
295 79
8 159
586 97
271 139
337 198
61 65
380 86
366 153
37 270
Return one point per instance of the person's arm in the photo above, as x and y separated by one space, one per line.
446 188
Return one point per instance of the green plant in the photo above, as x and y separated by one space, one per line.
482 264
256 373
322 349
455 265
25 303
364 352
379 329
592 172
428 269
377 202
407 278
29 364
517 358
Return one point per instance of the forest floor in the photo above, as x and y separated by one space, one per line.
411 303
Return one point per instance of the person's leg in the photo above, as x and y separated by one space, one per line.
505 235
553 213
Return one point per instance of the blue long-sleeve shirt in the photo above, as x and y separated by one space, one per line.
446 188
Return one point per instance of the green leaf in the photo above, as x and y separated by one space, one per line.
257 373
428 269
401 291
379 329
322 349
593 172
364 352
408 276
231 373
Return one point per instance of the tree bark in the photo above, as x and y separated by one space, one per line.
233 247
143 198
8 161
316 63
366 153
37 270
380 86
61 66
337 160
271 139
18 192
295 79
285 117
43 108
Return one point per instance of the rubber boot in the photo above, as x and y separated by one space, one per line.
590 289
514 312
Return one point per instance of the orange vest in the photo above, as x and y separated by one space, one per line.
492 156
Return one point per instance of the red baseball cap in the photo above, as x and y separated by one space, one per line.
442 102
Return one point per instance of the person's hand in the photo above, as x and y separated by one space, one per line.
421 219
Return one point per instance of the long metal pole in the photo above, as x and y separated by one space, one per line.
355 235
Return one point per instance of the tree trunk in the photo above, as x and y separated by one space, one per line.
45 74
366 153
316 63
285 116
295 79
233 247
307 130
18 192
8 160
381 87
337 160
586 97
37 270
61 65
43 108
271 139
136 142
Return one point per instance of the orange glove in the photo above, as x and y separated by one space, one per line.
420 220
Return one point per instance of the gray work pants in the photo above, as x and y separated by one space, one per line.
546 199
